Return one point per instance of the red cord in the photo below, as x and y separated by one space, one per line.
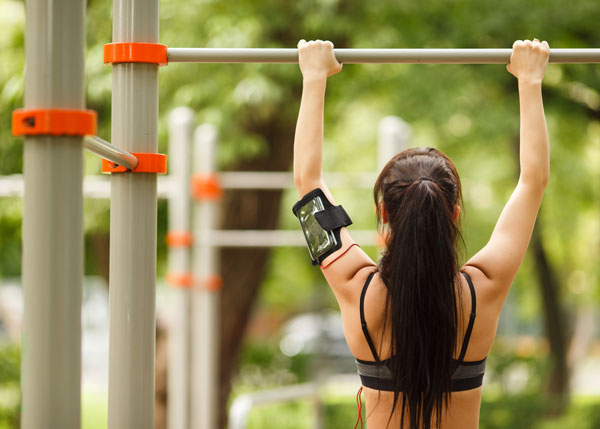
340 255
359 406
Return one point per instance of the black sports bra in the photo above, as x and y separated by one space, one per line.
377 375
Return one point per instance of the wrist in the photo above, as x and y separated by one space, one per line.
530 82
314 77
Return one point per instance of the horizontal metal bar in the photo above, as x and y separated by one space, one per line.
109 151
99 186
243 404
276 238
364 56
284 180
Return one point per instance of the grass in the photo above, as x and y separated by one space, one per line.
94 410
526 411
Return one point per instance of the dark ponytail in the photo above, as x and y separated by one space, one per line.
419 189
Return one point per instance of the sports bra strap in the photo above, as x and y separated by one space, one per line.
469 330
363 321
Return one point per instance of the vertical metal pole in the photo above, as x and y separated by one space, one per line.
132 296
205 301
394 136
178 375
53 220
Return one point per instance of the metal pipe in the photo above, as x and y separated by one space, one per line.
243 404
53 220
205 301
132 297
99 186
276 238
108 151
179 363
364 56
284 180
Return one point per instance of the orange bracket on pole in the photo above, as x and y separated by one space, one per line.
179 239
149 53
53 122
212 283
180 280
206 187
147 163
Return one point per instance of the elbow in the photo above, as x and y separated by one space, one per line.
535 181
305 183
544 180
298 180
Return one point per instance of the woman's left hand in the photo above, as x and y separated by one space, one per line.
317 59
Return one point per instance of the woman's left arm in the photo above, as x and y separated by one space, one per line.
317 63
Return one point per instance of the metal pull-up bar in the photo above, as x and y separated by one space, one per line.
364 56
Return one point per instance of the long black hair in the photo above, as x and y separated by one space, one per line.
419 189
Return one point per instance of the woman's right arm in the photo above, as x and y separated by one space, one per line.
500 259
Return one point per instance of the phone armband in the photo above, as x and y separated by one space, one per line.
321 223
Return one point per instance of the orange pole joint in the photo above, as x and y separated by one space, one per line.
148 53
179 239
206 187
185 280
147 163
53 122
212 283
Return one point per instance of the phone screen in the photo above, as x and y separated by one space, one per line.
319 241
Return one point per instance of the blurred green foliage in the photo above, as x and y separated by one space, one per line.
263 366
10 394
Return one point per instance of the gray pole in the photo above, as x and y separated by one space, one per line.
364 56
132 296
179 363
393 136
53 220
205 299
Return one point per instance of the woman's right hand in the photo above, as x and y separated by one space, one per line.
528 60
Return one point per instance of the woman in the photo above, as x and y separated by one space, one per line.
419 325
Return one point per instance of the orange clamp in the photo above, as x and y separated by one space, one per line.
147 163
149 53
180 280
212 283
53 122
186 280
206 187
179 239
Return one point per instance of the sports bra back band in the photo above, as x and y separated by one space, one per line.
377 375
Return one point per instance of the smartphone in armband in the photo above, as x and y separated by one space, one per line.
319 241
321 223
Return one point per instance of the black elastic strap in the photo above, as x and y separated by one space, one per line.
332 218
376 383
467 337
363 321
463 384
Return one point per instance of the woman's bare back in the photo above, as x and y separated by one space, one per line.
463 409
